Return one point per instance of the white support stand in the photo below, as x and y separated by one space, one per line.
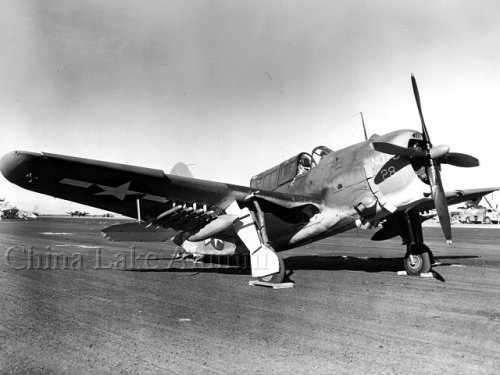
264 261
138 210
424 275
271 285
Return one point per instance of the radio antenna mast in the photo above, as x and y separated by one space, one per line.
364 127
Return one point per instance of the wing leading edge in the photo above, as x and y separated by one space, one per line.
457 196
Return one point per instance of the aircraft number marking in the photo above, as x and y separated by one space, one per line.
387 172
382 159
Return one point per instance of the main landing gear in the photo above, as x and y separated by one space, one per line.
419 257
275 278
250 227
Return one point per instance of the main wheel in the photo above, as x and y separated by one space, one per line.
418 263
467 220
275 278
487 220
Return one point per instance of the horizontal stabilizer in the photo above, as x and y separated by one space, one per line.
137 232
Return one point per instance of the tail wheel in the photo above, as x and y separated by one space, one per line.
275 278
419 262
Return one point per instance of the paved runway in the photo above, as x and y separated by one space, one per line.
72 302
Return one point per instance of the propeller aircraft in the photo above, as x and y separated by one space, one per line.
387 181
77 213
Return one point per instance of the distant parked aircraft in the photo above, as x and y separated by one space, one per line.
78 213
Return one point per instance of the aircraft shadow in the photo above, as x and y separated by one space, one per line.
333 263
196 269
457 257
233 265
379 264
240 265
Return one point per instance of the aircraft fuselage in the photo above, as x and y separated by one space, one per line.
358 187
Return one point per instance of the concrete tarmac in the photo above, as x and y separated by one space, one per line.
73 302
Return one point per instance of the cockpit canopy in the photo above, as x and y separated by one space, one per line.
285 172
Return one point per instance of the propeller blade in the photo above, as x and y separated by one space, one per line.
436 155
389 148
440 201
425 133
459 160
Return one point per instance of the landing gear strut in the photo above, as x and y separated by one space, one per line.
418 258
278 277
266 265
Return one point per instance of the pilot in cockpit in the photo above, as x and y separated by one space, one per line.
304 165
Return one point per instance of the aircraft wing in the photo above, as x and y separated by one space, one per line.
457 196
171 201
390 229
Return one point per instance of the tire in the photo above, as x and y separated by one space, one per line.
487 220
422 264
275 278
467 220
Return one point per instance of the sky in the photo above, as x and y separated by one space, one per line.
235 87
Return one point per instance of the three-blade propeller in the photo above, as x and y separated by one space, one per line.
431 157
439 153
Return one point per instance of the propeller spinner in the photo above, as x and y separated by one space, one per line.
431 157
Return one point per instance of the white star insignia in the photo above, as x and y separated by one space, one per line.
119 192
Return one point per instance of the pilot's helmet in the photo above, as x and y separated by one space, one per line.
305 161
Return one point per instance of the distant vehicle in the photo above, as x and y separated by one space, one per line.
14 213
77 213
478 215
7 211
